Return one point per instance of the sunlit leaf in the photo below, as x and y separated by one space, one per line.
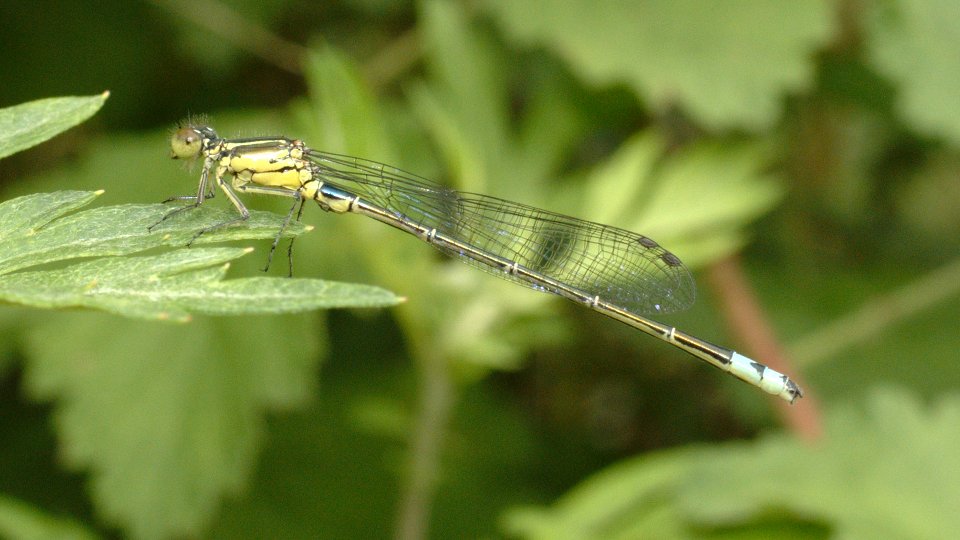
167 286
727 63
915 43
29 124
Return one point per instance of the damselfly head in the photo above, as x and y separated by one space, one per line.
186 143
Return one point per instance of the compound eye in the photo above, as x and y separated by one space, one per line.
186 143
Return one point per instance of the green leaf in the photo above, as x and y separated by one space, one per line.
915 43
708 193
728 63
172 285
166 420
695 200
891 456
167 286
115 230
30 124
627 500
20 520
32 212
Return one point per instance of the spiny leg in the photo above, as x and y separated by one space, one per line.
295 194
237 203
298 199
196 199
290 247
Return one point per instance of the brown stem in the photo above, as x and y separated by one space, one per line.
745 318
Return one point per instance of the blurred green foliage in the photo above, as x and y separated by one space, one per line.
817 138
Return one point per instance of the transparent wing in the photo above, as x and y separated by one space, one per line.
621 267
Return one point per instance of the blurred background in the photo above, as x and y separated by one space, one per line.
801 158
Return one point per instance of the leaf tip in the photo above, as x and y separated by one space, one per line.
105 94
309 228
99 192
247 250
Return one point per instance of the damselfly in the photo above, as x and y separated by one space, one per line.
612 271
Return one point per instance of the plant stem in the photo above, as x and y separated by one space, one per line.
437 398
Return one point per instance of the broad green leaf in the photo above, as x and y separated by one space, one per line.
20 520
168 286
627 500
728 63
696 200
112 230
166 420
618 188
30 124
915 43
882 473
172 285
711 184
26 214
